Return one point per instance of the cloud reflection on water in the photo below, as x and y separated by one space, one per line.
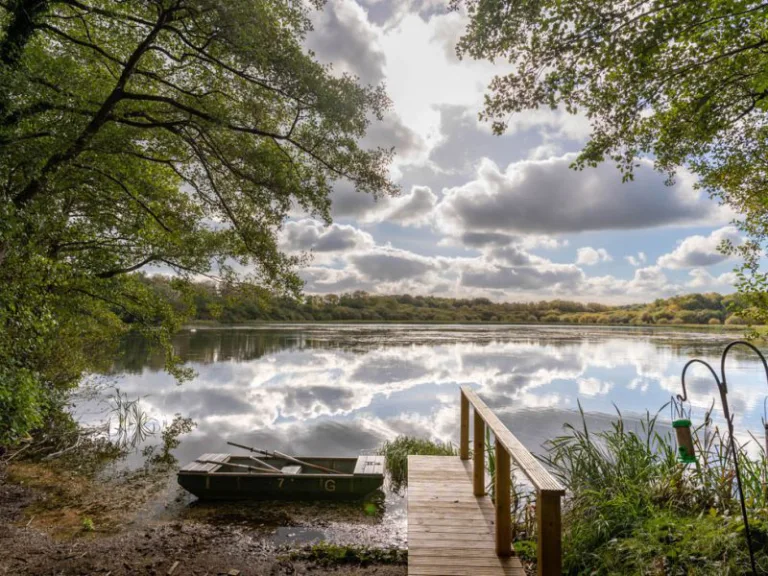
344 389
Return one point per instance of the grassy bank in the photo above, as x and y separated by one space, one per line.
633 508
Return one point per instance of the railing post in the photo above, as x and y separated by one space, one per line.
464 442
478 468
503 510
548 524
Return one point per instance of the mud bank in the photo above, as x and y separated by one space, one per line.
56 521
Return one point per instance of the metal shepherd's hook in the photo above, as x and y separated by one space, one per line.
722 388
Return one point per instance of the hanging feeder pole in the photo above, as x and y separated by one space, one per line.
722 388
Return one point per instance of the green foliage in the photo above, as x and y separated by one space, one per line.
674 544
526 550
170 437
632 508
329 555
681 83
233 304
396 454
87 524
20 403
174 134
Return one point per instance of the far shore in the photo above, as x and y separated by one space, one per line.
692 327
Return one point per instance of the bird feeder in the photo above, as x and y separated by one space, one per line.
685 440
686 452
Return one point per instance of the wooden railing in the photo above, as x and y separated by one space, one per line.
548 490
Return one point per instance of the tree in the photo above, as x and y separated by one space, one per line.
685 83
173 133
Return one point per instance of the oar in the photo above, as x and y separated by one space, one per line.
244 447
236 465
265 464
315 466
285 457
254 457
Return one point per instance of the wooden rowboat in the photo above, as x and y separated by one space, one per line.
228 477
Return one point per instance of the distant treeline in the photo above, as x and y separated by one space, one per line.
216 302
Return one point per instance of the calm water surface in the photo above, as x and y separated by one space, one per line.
330 389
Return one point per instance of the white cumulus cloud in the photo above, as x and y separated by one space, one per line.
588 256
308 235
638 260
698 251
547 196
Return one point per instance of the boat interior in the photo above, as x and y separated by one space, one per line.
235 464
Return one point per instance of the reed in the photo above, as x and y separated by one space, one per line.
631 505
396 454
132 424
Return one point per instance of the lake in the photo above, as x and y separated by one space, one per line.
344 389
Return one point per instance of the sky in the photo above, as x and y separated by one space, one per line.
479 215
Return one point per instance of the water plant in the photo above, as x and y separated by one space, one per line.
632 504
396 454
133 424
162 455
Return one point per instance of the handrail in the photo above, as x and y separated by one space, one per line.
548 489
529 465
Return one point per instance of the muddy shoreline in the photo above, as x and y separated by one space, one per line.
54 520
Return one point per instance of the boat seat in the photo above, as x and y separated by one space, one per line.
291 469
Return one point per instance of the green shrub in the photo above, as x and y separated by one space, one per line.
21 404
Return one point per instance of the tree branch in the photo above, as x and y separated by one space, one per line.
36 184
125 189
118 271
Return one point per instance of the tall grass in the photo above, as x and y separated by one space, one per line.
632 506
396 454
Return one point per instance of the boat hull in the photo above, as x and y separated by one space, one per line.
252 487
226 477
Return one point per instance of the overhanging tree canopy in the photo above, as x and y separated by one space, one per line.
684 82
170 132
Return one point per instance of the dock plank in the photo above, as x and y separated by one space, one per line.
451 531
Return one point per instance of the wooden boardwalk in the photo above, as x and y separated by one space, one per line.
450 530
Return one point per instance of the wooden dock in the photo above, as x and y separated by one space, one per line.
454 529
450 530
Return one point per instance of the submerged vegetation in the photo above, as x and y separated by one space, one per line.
328 555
